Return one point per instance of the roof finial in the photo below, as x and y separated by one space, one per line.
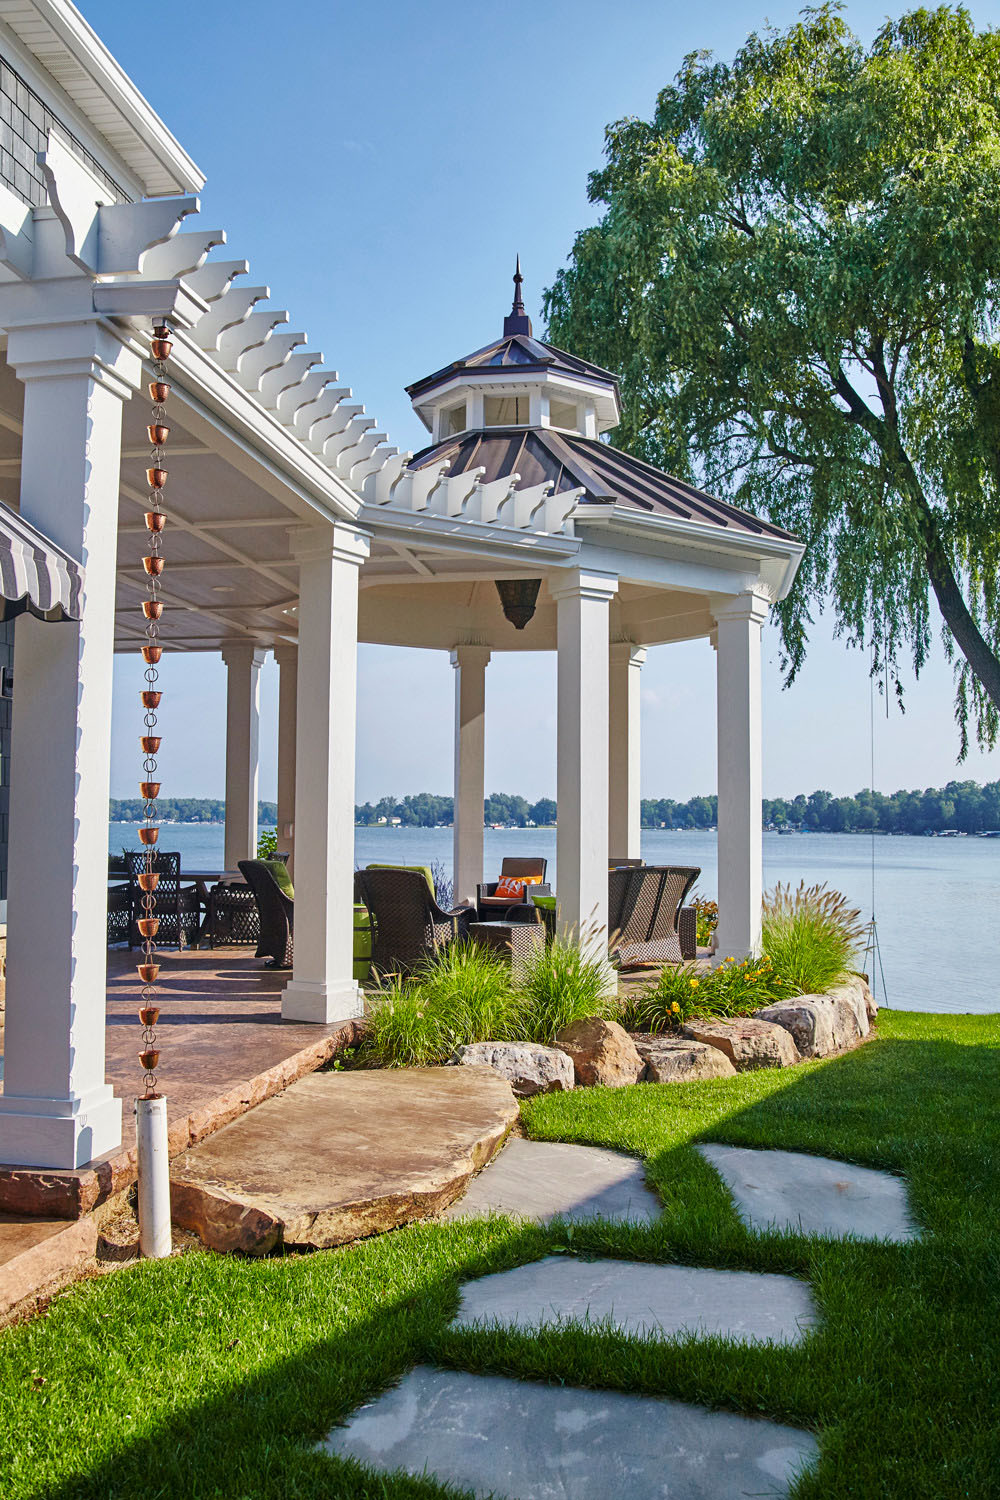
517 320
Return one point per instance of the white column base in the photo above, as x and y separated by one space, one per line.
314 1000
59 1133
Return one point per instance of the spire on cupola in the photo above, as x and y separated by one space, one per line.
517 320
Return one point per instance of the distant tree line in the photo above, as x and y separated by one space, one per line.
184 810
964 805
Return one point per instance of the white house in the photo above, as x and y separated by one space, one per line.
293 527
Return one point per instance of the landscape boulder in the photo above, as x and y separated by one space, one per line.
602 1052
669 1059
818 1024
528 1067
747 1041
855 993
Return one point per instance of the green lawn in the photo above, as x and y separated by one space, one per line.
209 1377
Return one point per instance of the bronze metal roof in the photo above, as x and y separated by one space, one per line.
520 351
605 473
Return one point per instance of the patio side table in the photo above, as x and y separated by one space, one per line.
514 940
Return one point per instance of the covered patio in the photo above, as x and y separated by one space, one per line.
293 527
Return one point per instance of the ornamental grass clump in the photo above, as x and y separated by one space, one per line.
461 995
812 936
559 984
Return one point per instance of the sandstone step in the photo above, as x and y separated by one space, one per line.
339 1156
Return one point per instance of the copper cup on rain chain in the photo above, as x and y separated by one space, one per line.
151 699
152 608
148 835
152 654
155 520
148 972
149 1058
156 478
153 565
148 926
149 1014
159 390
149 790
148 880
160 348
149 744
158 433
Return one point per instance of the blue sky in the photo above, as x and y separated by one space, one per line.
380 165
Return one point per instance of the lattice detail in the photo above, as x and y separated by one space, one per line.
233 919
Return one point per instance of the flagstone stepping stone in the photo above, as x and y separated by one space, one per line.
812 1194
524 1441
342 1155
642 1300
545 1179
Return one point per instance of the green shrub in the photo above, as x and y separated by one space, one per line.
267 843
811 935
707 913
560 984
686 990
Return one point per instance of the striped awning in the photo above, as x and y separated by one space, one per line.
35 574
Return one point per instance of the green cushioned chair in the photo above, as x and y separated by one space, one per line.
362 944
425 871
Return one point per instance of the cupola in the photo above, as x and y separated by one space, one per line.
517 382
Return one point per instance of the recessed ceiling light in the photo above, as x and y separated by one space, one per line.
223 588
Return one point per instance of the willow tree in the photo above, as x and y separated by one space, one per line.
796 275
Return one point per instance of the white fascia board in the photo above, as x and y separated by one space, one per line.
261 434
476 539
500 379
170 169
774 559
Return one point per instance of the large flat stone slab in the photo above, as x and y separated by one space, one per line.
545 1179
642 1300
499 1437
339 1156
812 1194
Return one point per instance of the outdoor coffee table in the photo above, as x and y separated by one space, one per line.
515 940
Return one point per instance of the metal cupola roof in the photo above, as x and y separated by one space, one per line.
517 352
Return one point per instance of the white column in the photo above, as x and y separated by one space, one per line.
322 987
624 821
739 775
57 1110
243 663
470 663
287 658
583 603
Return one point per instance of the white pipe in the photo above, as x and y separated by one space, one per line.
154 1178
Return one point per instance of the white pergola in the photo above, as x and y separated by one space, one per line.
294 528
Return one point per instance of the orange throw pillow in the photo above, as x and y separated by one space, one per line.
511 887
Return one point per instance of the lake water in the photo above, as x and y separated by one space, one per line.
937 900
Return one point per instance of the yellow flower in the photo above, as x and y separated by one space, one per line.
675 1007
694 983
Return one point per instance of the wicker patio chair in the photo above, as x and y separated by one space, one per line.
276 913
178 907
647 918
233 920
406 922
493 908
623 864
119 913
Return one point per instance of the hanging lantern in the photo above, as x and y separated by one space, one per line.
518 597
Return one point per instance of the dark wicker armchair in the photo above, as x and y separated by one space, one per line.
276 912
493 908
233 920
407 924
647 919
178 907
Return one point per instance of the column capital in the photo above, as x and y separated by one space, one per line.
628 651
336 539
752 606
286 654
244 653
583 583
470 653
73 348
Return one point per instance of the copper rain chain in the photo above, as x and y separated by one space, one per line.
152 608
